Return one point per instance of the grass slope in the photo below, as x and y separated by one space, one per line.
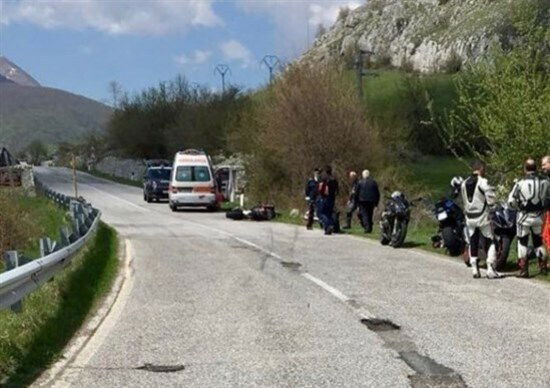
32 340
46 219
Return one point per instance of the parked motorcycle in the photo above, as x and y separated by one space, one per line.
503 220
395 220
451 233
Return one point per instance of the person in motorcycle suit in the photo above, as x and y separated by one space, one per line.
478 198
311 196
352 201
546 228
531 197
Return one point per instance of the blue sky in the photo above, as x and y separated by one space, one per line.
82 45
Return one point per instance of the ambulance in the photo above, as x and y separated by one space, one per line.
192 182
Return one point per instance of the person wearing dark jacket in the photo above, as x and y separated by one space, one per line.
352 202
368 197
328 190
311 196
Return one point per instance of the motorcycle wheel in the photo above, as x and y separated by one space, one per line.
452 241
384 234
400 234
503 250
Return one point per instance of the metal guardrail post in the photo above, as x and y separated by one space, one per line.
64 236
11 260
45 248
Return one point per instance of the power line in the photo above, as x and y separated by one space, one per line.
222 70
360 70
271 62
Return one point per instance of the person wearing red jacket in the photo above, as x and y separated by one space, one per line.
546 231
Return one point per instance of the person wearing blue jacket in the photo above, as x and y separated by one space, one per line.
312 192
328 190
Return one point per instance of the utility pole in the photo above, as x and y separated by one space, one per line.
360 71
73 165
222 70
271 62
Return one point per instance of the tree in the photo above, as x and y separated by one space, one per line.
310 117
503 111
116 92
37 152
171 116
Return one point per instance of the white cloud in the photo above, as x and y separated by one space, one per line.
196 58
233 50
124 17
326 14
297 21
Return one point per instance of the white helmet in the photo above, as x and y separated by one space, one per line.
396 194
457 181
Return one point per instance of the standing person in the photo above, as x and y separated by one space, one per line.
368 197
312 187
478 198
546 229
328 190
352 202
531 197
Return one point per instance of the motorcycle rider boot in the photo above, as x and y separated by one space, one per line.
543 260
475 267
491 273
491 259
523 268
543 266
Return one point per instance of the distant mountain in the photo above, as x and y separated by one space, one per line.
4 80
14 73
30 112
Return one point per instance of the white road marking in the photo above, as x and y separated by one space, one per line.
69 372
333 291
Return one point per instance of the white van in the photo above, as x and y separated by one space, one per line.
192 181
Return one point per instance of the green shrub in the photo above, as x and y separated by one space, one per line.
164 119
309 118
503 110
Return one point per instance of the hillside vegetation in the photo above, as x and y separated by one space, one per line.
422 35
172 116
49 115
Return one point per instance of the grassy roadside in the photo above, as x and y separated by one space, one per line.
38 216
32 340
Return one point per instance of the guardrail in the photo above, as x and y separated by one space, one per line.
23 276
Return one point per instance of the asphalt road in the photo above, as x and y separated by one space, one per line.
266 304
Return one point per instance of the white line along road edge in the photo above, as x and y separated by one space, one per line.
90 337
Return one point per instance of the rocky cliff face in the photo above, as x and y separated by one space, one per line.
422 35
9 71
